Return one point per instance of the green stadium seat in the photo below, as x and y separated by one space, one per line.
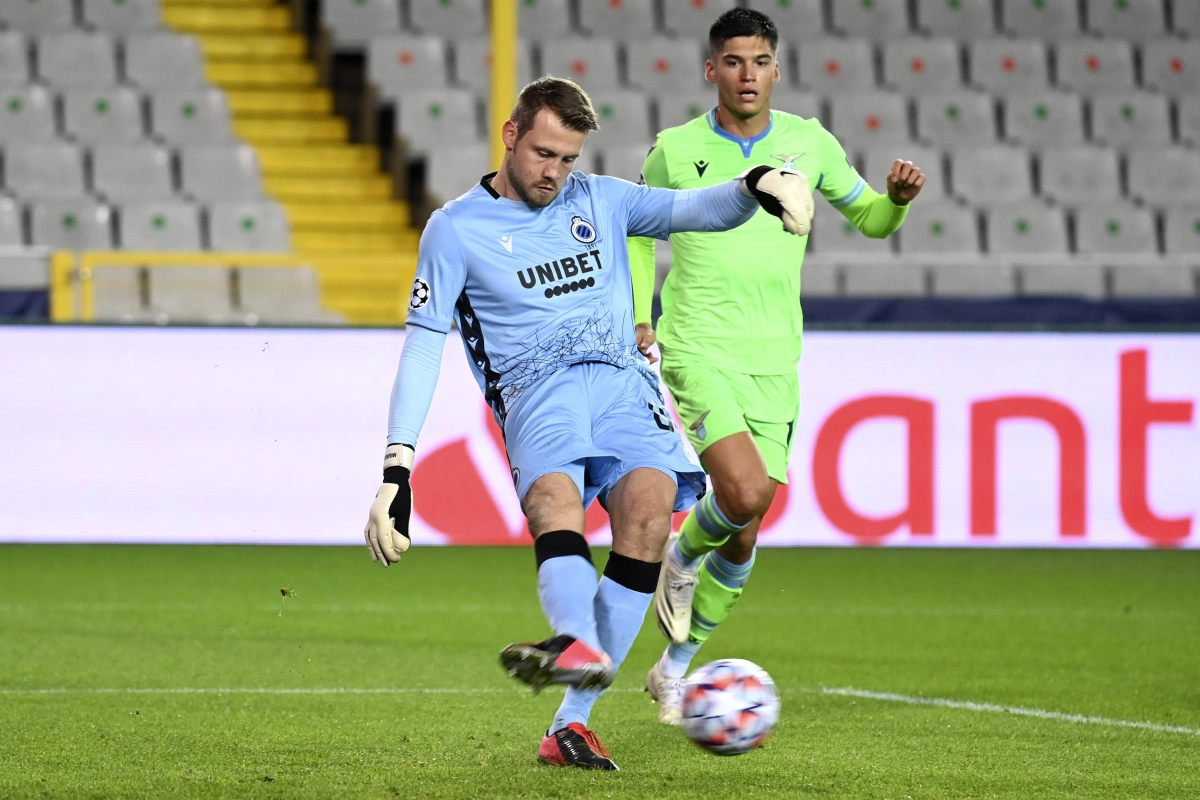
1049 19
934 226
259 225
1040 119
103 116
160 225
1115 228
1130 119
427 120
26 114
1138 20
1026 229
449 18
948 119
1182 228
960 19
79 223
679 107
878 20
191 116
624 119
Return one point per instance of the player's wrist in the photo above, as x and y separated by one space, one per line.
398 462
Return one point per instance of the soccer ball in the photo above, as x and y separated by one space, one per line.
729 707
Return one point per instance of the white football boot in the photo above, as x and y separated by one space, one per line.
673 597
668 693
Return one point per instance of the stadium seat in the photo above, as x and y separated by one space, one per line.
592 63
191 116
96 116
1041 19
1043 118
282 296
1065 279
837 235
123 16
625 161
1163 177
624 120
221 172
1182 228
818 277
47 170
959 19
248 226
1026 228
1114 228
192 294
991 174
1154 280
802 104
869 118
663 65
427 120
449 172
952 118
11 233
973 279
1172 66
542 20
160 225
355 22
77 59
889 279
1130 119
691 19
1185 18
40 17
1093 65
796 20
830 65
622 20
878 20
14 59
164 61
124 173
26 114
400 64
450 18
878 160
1005 65
1189 120
1072 176
934 226
79 223
677 108
473 64
919 66
1138 20
119 294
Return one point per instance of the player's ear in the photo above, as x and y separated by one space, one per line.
509 133
710 72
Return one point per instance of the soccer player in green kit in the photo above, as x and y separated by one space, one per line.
730 336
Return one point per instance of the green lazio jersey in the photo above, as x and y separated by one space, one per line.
732 299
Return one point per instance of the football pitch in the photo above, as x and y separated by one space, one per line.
130 671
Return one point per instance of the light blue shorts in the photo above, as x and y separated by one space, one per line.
596 423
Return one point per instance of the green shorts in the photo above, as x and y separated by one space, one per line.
715 403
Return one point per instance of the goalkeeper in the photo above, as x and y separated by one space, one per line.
731 326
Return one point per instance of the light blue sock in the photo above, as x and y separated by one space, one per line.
620 613
567 592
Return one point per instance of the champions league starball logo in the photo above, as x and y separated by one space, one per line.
420 294
582 230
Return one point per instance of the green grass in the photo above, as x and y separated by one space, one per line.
1105 634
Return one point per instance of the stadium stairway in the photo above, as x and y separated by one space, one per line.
339 204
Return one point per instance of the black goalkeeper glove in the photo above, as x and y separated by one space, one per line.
387 524
784 193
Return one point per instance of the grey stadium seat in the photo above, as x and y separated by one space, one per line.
919 66
802 104
592 63
837 235
191 116
11 234
77 59
939 227
26 114
625 161
452 171
1091 65
50 170
895 279
819 278
1164 176
39 17
624 119
1127 19
1074 176
400 64
96 116
450 18
541 20
123 16
1189 120
1116 228
282 296
473 61
626 20
1003 65
259 226
1043 118
221 172
160 225
1130 119
879 20
355 22
1025 229
832 65
14 59
119 294
1155 280
960 19
952 118
878 160
869 118
124 173
1172 66
692 18
426 120
1185 18
796 20
1064 279
1183 230
991 174
76 224
973 279
163 61
192 294
1048 19
677 108
659 65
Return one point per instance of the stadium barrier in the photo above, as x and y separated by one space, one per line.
912 439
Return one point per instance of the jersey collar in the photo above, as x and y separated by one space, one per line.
486 183
746 144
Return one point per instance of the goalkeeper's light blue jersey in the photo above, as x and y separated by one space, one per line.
534 291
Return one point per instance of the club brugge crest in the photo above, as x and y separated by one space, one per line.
583 230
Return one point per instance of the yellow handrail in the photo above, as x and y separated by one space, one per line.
504 73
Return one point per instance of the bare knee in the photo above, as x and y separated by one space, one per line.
553 504
745 498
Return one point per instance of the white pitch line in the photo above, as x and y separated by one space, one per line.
992 708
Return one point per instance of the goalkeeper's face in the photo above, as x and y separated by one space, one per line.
540 159
745 70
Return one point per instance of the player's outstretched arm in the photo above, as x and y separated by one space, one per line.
784 193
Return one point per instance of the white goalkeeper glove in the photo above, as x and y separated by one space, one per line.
784 193
387 524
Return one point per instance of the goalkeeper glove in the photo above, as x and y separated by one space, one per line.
784 193
387 524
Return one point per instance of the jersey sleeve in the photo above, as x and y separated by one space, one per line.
645 211
441 275
641 248
840 182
